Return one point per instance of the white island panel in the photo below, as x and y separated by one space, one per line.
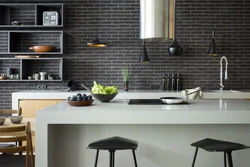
164 132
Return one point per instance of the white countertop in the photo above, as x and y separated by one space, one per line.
119 112
139 94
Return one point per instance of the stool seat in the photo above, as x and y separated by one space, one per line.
213 145
114 143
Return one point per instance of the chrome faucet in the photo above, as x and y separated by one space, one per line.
221 80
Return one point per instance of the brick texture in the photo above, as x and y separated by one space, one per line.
116 22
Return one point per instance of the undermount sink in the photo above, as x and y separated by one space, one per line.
226 91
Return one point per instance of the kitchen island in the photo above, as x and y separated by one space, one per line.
164 132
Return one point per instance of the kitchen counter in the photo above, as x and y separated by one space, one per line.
119 112
139 94
164 132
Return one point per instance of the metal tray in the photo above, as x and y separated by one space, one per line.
172 100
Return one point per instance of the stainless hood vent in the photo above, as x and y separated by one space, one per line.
157 18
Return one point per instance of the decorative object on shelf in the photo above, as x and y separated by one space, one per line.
3 77
96 43
43 75
9 71
16 23
144 55
126 75
46 48
26 56
50 18
212 51
36 76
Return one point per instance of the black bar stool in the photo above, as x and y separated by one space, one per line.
213 145
112 144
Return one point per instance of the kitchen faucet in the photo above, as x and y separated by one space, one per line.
221 82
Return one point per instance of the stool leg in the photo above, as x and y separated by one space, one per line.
112 158
225 159
134 158
195 155
96 157
230 160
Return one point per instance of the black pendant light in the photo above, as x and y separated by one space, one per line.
175 49
144 55
96 43
212 51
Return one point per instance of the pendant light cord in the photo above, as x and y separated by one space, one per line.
174 19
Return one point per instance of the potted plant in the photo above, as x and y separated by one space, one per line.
126 76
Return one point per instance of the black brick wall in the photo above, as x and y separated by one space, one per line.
116 22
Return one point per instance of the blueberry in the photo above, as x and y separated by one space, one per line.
69 98
90 97
84 95
79 98
79 95
73 98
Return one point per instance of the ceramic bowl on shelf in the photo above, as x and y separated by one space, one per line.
2 120
16 119
104 97
46 48
80 103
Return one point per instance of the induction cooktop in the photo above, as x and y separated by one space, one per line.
149 102
145 101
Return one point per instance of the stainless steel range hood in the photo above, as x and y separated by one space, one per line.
157 18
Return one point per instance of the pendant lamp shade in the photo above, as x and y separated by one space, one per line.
144 55
96 43
212 51
175 49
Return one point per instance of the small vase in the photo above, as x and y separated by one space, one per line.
125 85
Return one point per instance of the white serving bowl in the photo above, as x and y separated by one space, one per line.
16 119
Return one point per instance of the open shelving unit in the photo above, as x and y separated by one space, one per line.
27 66
30 15
17 40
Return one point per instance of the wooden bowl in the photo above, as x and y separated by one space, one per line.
80 103
43 48
3 77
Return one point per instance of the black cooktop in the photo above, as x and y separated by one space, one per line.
149 102
145 101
